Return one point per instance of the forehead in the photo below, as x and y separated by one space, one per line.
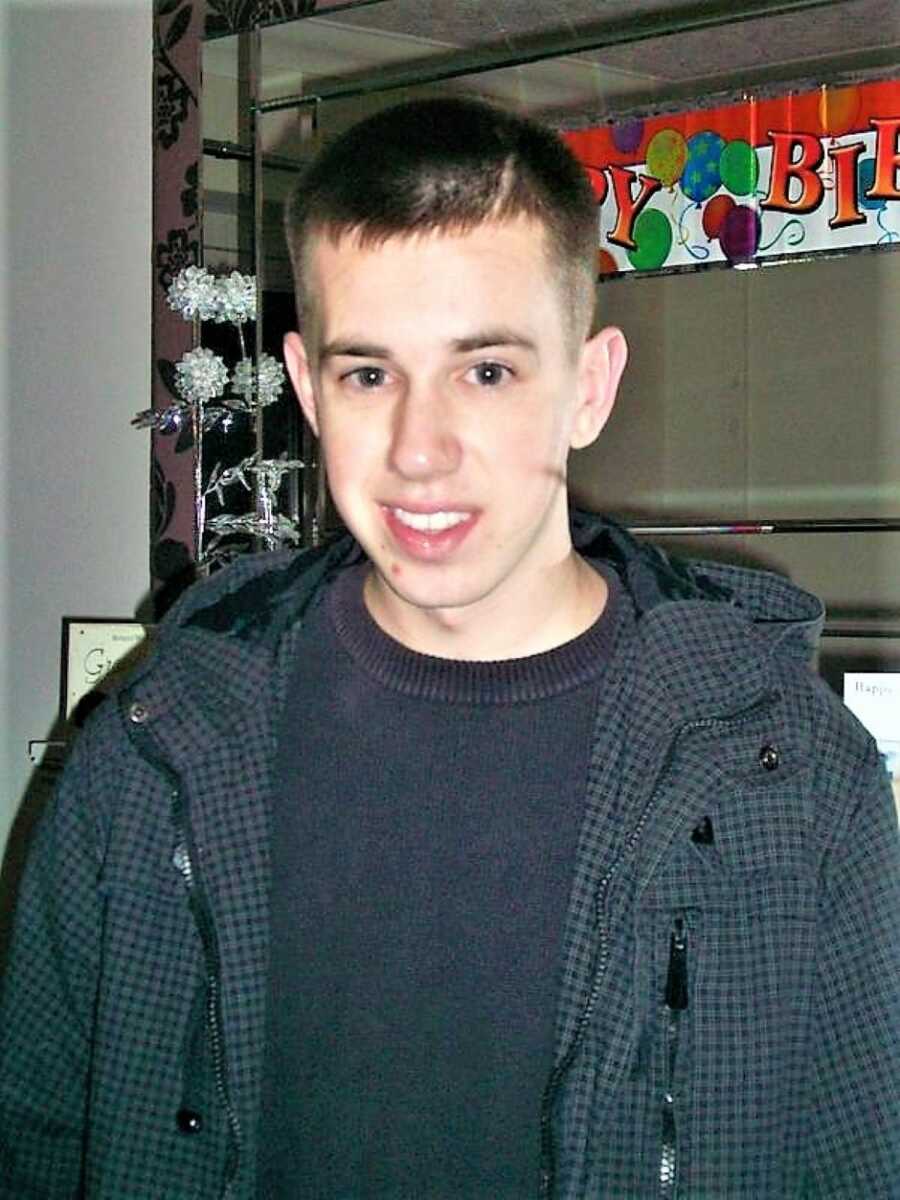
498 268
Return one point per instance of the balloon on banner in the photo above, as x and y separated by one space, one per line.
739 167
838 109
714 215
701 178
865 175
653 240
666 156
740 233
606 264
628 135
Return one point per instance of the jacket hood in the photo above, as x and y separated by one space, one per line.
263 594
653 578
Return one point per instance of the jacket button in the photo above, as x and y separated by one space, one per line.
138 713
188 1121
769 758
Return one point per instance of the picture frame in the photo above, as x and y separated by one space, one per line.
861 663
95 653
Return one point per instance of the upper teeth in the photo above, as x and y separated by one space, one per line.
429 522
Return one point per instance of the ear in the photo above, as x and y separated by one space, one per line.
601 363
298 367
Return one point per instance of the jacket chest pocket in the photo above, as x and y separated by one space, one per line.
726 960
726 929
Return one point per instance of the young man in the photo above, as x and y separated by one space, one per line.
457 859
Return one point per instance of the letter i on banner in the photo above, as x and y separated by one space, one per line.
846 200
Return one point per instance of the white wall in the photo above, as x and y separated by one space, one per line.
75 236
762 394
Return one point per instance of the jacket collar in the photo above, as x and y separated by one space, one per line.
214 656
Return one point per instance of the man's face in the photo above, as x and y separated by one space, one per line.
447 394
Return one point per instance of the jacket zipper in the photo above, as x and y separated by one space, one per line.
548 1155
548 1164
183 859
203 920
676 1002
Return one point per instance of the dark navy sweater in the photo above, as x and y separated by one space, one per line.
424 831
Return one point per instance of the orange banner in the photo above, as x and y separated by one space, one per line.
797 174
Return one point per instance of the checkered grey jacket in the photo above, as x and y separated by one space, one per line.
728 1021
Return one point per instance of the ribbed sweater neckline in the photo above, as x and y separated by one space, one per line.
510 681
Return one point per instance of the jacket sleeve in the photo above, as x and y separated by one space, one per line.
46 1010
854 1081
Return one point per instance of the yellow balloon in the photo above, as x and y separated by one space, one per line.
666 156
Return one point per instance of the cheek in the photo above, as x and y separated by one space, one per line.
353 457
340 438
535 452
338 458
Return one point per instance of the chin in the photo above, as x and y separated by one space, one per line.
411 585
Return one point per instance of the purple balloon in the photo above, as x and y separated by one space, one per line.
740 233
628 135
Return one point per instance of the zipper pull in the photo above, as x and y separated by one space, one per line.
676 979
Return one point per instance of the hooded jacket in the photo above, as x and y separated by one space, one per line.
728 1015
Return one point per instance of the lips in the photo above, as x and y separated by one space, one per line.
430 535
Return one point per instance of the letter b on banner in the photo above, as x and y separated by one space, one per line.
803 168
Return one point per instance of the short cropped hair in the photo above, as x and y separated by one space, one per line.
446 166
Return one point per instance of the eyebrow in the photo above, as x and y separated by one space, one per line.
352 350
482 340
493 337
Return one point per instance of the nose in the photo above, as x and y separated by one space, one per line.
424 442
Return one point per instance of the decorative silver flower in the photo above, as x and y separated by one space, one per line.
194 293
271 379
216 416
270 375
201 375
283 532
164 420
242 380
271 471
235 298
220 478
201 379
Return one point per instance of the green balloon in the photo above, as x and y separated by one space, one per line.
739 168
653 240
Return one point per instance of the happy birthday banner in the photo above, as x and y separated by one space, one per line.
814 171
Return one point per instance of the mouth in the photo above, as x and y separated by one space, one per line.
429 535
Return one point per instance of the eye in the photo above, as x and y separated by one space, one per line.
489 374
366 378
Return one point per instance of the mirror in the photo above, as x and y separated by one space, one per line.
758 395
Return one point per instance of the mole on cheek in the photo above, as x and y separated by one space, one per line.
396 570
